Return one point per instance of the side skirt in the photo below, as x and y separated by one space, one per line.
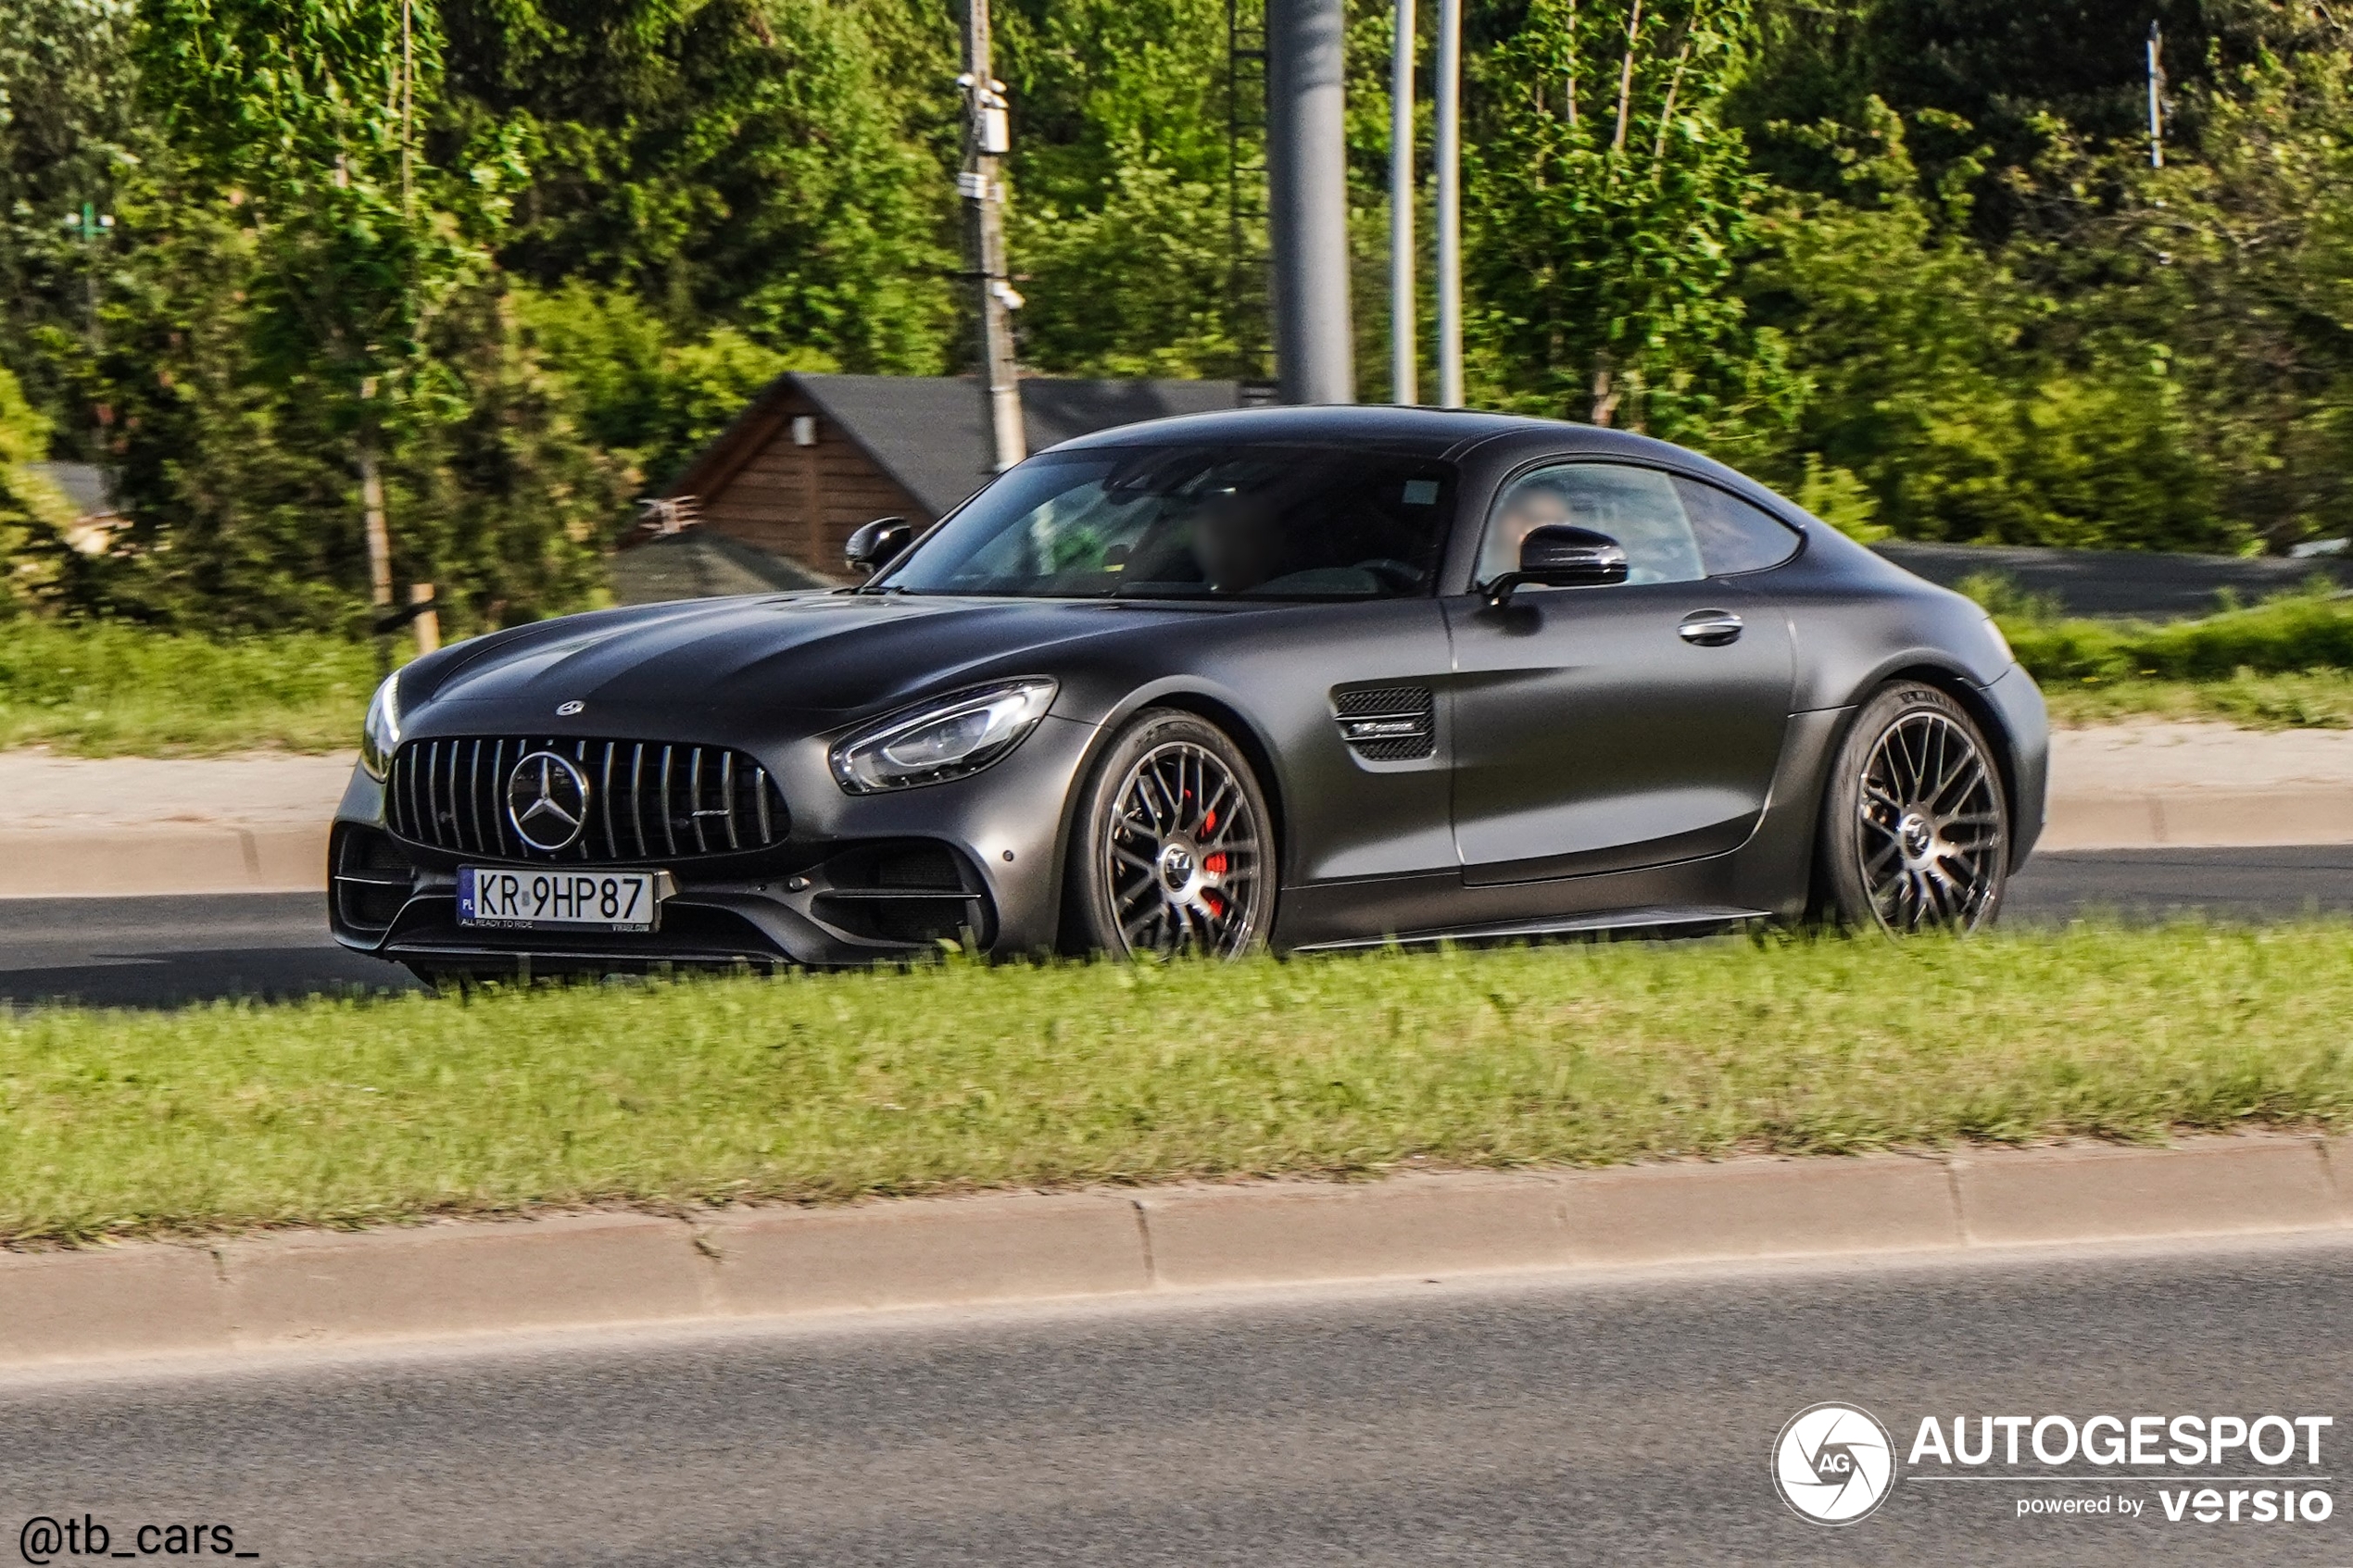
1654 918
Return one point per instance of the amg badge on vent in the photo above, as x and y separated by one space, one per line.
1388 724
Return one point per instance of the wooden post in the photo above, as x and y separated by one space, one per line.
428 620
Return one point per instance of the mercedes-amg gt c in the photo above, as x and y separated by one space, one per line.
1299 678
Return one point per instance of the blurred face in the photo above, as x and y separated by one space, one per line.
1234 545
1529 510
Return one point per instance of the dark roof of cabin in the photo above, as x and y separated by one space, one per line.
926 433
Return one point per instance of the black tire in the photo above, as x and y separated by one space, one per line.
1172 851
1915 832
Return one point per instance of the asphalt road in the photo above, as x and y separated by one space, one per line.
1541 1420
165 952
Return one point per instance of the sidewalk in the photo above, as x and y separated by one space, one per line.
2130 786
131 826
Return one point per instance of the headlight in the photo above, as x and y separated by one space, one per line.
381 736
951 738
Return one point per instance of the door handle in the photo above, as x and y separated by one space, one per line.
1710 628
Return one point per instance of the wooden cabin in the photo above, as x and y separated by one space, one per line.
816 455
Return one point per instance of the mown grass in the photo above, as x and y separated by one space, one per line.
108 690
830 1088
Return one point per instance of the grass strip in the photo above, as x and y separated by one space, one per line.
960 1077
2318 699
110 690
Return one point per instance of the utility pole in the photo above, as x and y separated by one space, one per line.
2156 98
1449 155
1307 183
985 139
1403 333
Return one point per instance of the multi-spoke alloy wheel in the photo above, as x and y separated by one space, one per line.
1915 827
1176 853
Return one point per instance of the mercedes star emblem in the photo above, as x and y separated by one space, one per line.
547 801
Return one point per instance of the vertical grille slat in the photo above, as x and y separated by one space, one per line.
473 796
727 796
499 792
450 794
669 808
612 843
638 796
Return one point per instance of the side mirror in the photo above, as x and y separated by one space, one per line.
1557 555
878 544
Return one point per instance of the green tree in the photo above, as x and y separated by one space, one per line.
764 164
32 512
1608 210
306 117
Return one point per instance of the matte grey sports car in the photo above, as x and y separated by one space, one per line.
1303 678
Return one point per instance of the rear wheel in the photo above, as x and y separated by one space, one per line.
1172 853
1914 828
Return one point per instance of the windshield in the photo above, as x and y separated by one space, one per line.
1260 522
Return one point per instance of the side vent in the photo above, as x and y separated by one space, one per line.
1388 723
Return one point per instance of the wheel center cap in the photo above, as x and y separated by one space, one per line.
1176 867
1918 837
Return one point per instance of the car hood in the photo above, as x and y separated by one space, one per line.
828 657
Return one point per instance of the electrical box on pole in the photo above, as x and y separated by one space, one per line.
1307 186
987 138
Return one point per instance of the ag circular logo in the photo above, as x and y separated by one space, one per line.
547 801
1834 1464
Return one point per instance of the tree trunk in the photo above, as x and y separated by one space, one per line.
371 506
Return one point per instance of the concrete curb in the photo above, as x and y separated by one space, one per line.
605 1270
166 859
2199 820
150 861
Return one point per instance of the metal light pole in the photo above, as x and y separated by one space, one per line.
1307 188
1449 156
985 139
1403 346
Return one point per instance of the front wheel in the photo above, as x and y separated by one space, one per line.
1172 853
1914 828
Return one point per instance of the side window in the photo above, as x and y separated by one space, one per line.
1734 535
1639 507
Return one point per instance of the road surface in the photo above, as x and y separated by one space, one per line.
1533 1420
164 952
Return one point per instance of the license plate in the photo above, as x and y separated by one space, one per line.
535 900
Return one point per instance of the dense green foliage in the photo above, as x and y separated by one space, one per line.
1906 257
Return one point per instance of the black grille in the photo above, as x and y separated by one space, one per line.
1388 724
648 800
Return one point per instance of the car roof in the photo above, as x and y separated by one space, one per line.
1430 432
1507 439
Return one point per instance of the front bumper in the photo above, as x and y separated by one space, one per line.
858 880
